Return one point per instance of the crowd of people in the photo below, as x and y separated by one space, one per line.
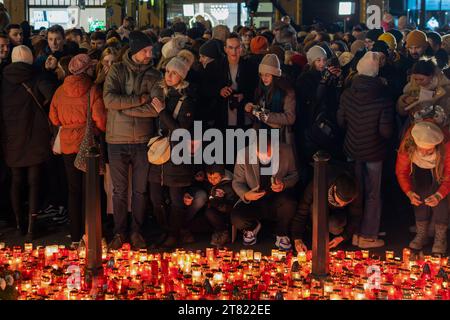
377 101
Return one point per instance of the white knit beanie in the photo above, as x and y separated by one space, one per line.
179 65
369 65
315 53
270 64
22 54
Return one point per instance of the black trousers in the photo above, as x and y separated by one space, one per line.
55 182
29 177
76 198
218 220
173 219
425 185
278 207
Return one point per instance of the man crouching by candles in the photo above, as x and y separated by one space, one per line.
423 172
344 206
265 197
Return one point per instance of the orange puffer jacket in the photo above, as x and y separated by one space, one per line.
69 110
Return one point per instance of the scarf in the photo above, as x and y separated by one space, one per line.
424 162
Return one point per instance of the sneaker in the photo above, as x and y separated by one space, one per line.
367 243
221 238
283 243
137 241
51 210
117 242
249 238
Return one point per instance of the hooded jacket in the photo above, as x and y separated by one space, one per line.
69 110
125 83
222 196
366 113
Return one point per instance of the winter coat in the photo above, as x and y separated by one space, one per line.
305 207
125 83
315 97
282 119
222 196
247 82
169 174
403 170
366 113
441 87
69 110
25 126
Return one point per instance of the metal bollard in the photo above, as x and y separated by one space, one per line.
93 221
320 251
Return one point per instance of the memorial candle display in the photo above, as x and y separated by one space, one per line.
58 273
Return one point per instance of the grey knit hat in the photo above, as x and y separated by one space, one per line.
179 65
315 53
270 64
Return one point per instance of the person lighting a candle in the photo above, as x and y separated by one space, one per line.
344 205
423 172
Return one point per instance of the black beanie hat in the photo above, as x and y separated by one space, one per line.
374 34
346 187
215 168
210 49
381 46
139 41
397 35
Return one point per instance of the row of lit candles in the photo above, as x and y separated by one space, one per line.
138 274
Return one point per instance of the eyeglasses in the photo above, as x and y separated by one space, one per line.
233 48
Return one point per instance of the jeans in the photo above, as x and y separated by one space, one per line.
200 198
278 207
76 203
369 178
121 156
425 185
31 176
177 211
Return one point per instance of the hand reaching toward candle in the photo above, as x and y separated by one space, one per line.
335 242
300 246
433 200
414 198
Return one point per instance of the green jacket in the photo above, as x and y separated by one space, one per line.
124 85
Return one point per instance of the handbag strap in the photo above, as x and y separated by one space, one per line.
178 107
30 91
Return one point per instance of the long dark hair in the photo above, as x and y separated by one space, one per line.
279 83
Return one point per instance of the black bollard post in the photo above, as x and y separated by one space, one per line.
320 251
93 215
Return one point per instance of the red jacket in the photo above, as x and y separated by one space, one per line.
69 110
403 172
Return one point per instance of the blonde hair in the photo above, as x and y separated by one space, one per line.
99 72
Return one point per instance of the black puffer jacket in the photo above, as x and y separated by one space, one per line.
25 127
366 113
169 174
222 196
